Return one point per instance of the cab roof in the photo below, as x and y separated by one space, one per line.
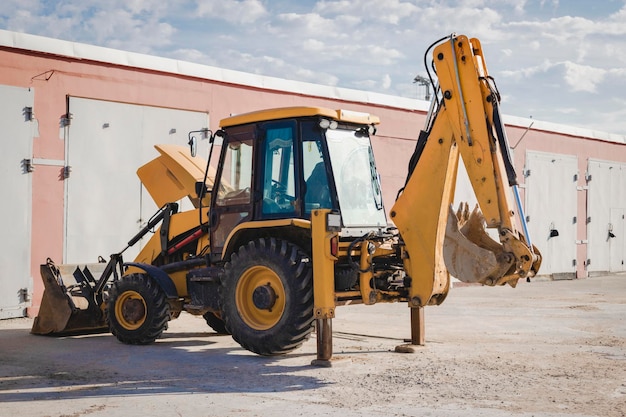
345 116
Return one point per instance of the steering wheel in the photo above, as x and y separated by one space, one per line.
278 189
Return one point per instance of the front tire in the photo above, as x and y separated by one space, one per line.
267 296
137 310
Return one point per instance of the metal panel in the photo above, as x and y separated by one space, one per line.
107 143
551 208
17 135
606 202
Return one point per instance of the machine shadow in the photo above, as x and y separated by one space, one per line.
39 368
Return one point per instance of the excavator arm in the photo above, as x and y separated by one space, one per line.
465 124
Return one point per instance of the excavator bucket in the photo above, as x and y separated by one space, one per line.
470 254
67 306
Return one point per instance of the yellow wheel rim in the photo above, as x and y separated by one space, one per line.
130 310
260 297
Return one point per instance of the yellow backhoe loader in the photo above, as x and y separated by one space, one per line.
291 224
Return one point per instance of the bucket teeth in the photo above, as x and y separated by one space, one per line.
470 254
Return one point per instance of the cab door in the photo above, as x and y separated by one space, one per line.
234 195
277 180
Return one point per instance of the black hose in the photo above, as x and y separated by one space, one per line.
351 261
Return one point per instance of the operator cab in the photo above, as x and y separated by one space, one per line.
284 163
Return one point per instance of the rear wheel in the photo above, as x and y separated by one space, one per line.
267 296
137 310
215 322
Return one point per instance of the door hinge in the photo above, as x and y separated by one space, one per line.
24 295
28 113
66 120
27 166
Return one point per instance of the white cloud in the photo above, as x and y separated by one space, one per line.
389 11
234 11
305 25
583 77
11 6
386 83
365 84
567 110
544 61
313 45
122 29
528 72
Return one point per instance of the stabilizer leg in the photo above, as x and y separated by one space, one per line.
324 331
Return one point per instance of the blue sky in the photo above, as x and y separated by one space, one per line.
553 60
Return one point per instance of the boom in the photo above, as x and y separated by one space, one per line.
466 123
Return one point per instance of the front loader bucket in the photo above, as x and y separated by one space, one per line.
66 309
470 254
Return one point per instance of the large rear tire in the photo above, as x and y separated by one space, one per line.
137 310
267 296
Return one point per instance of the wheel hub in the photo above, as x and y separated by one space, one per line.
133 310
260 297
264 297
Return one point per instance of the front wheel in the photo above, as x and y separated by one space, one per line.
137 310
267 296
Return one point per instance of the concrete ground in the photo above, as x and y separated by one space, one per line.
542 349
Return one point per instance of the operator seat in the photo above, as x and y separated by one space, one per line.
317 191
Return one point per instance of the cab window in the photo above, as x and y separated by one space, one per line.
236 179
279 185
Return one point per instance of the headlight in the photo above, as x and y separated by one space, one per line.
328 124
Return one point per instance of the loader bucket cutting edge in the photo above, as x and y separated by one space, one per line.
58 315
470 254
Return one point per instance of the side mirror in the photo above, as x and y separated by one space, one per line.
193 147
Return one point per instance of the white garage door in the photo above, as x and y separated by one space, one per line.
15 211
606 205
106 143
551 210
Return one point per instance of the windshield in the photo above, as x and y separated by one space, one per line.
358 185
